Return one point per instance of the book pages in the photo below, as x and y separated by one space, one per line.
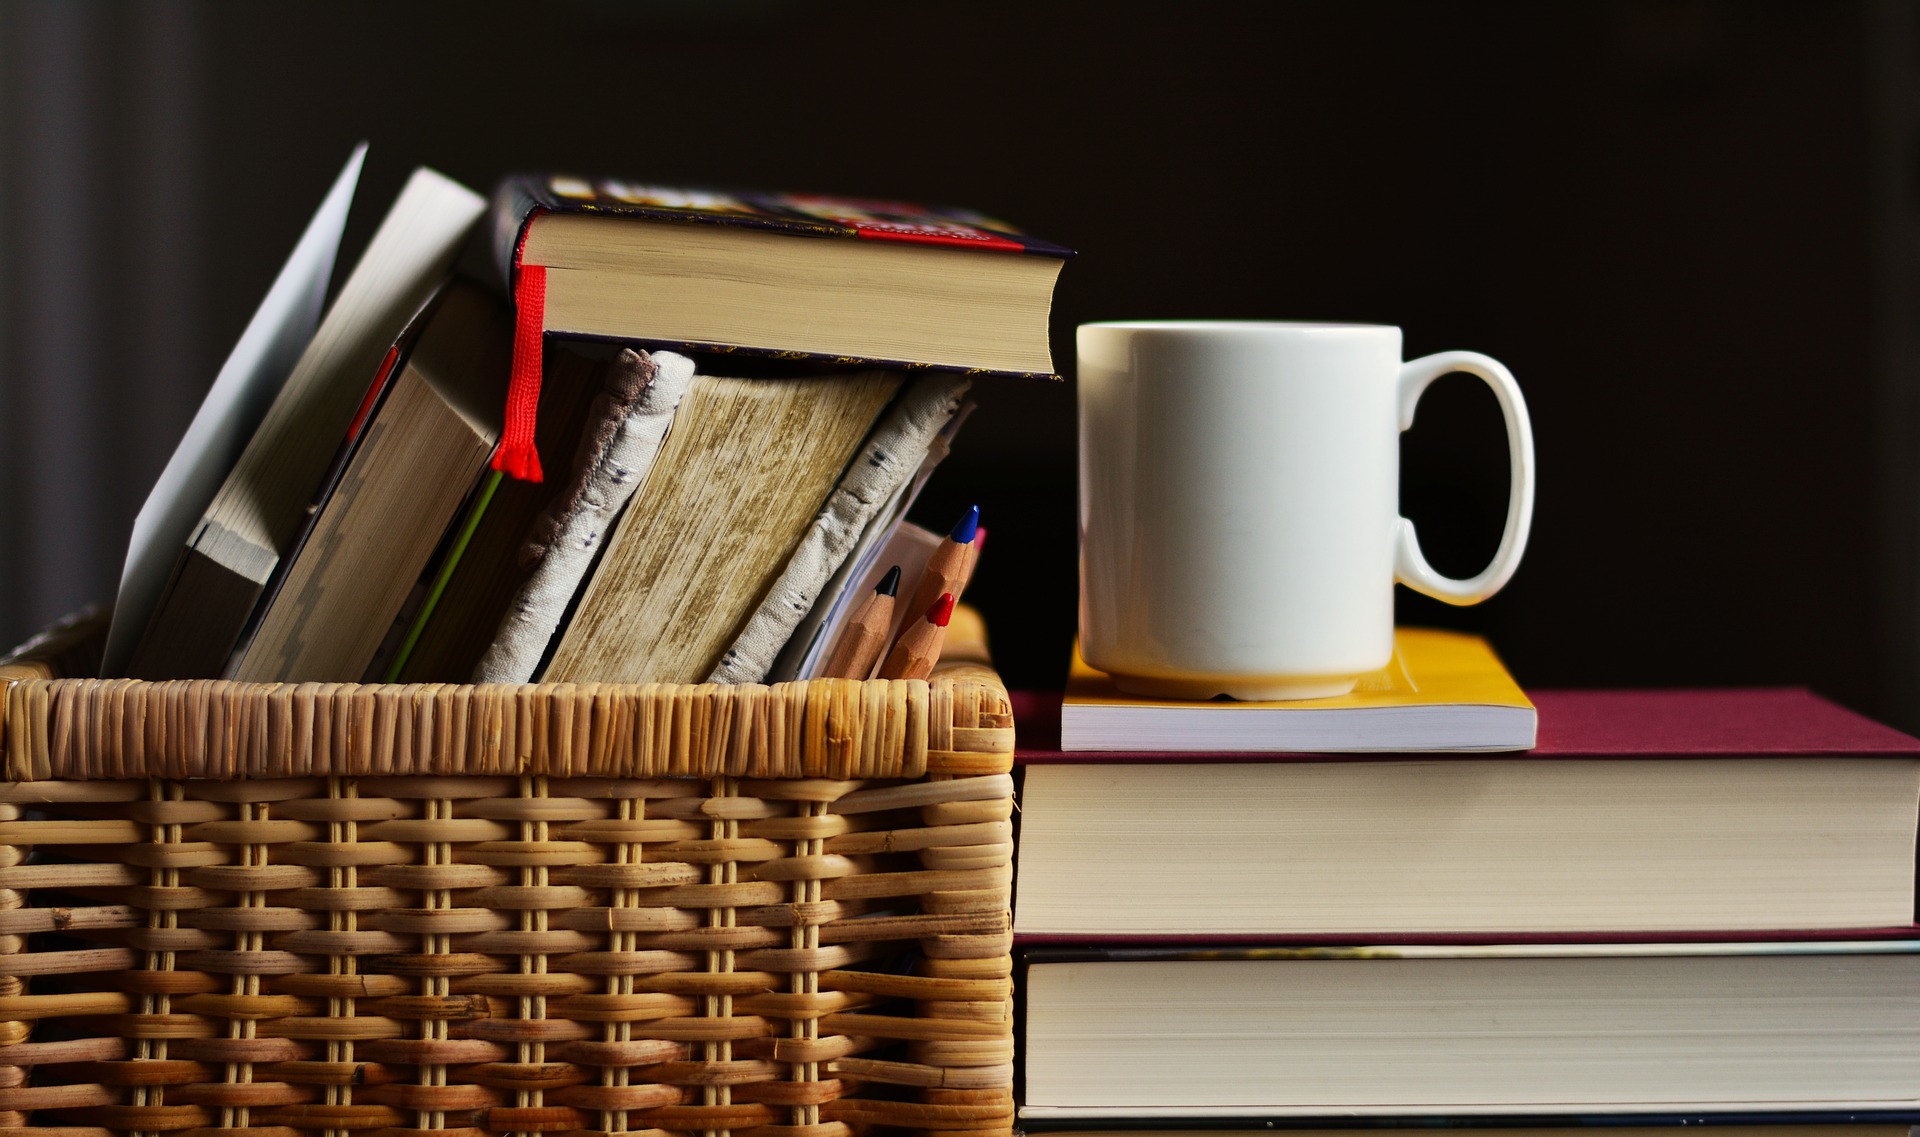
893 453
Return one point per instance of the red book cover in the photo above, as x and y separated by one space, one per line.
1734 720
1580 724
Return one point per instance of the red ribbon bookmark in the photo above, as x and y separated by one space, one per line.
516 456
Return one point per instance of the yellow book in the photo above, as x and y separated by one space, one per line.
1442 691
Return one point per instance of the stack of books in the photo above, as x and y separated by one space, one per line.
1664 909
585 430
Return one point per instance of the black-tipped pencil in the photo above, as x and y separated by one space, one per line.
865 636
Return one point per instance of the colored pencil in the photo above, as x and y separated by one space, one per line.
947 568
918 648
865 636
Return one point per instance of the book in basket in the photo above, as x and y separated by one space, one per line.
906 287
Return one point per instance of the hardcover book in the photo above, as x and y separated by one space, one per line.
419 457
241 393
1771 1123
1655 813
1528 1030
479 577
888 284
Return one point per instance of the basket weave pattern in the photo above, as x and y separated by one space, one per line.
332 909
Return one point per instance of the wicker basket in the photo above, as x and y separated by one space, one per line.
342 909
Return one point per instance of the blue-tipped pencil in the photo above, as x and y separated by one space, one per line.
949 565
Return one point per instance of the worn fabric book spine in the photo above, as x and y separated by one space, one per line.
626 431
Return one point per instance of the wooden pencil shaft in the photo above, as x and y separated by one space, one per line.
946 572
916 652
863 640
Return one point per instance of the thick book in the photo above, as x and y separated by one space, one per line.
737 484
1577 1029
894 283
1440 691
419 457
1639 813
889 284
232 551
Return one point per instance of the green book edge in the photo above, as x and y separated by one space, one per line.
439 585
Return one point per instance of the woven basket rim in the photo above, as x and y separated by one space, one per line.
55 728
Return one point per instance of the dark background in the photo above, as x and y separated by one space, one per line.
1688 226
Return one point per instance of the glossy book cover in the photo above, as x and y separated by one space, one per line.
520 196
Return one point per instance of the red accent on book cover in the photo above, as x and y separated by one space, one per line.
1748 721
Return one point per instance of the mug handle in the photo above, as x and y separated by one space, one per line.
1410 566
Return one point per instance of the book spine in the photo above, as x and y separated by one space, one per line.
513 205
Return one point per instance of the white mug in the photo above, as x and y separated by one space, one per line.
1240 528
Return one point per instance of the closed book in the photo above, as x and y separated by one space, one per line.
247 383
898 283
793 276
479 577
736 486
1528 1030
1648 813
418 458
1765 1123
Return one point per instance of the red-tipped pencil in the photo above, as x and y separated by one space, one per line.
918 649
865 636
